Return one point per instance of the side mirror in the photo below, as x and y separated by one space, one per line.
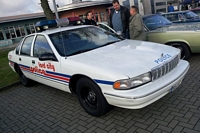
47 56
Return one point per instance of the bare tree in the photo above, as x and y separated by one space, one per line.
47 11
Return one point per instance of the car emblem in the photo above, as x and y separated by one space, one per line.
162 55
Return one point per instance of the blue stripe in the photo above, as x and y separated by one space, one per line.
104 82
59 74
68 76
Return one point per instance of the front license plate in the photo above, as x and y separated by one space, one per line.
175 86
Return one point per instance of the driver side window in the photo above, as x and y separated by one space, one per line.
41 46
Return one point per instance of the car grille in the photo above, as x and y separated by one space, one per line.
165 68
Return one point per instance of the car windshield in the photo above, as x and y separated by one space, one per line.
71 42
190 15
156 21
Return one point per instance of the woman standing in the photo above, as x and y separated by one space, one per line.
136 27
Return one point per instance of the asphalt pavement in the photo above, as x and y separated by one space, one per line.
44 109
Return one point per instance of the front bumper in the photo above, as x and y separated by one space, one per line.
144 95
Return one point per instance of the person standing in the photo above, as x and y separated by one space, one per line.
170 7
89 20
119 18
136 27
193 5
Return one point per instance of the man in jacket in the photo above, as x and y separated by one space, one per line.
89 20
170 8
119 18
136 27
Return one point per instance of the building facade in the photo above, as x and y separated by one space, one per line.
14 28
100 10
161 5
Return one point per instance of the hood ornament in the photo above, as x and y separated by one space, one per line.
162 54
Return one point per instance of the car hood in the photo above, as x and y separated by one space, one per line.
127 57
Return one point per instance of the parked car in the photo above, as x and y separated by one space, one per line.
182 36
182 16
101 68
155 21
185 37
196 10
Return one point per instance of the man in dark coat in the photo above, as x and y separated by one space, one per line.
89 20
119 18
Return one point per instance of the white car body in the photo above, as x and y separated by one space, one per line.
105 66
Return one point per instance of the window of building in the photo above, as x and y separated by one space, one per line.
1 35
102 16
30 28
7 32
26 46
41 46
161 10
160 3
19 31
14 32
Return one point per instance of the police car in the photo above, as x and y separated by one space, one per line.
100 67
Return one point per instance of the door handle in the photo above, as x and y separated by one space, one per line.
33 61
20 59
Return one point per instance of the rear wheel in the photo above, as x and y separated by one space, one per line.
24 80
91 98
185 51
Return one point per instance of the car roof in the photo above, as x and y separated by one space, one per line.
176 12
54 30
149 15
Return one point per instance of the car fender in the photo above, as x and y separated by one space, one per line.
176 41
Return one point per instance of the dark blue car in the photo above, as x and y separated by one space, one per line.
155 21
182 16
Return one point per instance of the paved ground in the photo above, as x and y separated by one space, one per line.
44 109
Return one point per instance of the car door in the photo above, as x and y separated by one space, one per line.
24 56
106 27
46 65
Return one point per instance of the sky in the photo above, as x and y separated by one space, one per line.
18 7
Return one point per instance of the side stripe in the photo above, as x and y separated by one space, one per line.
60 77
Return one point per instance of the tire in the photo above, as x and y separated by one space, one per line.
24 80
91 98
185 51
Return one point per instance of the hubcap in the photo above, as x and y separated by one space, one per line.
89 98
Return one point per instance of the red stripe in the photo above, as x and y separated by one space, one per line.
57 77
48 75
24 68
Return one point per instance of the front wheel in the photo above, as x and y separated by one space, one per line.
185 51
91 98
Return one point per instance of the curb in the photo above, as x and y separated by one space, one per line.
9 86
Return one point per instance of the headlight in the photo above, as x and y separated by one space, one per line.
132 82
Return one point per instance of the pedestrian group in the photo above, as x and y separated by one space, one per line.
128 24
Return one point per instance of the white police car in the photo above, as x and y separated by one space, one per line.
101 68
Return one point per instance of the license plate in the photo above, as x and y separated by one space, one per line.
175 86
